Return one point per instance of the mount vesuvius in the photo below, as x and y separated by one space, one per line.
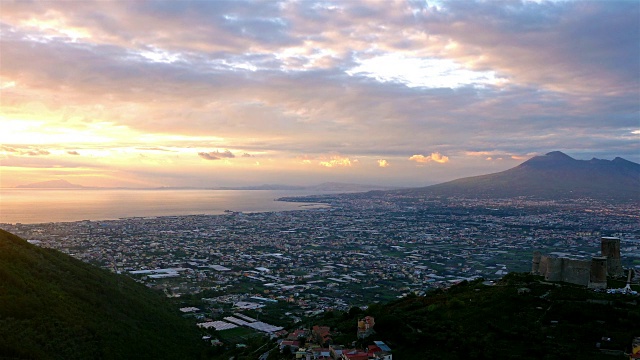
554 175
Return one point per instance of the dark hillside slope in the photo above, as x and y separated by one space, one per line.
551 176
521 317
53 306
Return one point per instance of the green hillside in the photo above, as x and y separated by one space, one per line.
518 318
55 307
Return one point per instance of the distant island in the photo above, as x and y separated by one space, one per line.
51 184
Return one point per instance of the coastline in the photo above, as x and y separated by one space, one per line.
33 206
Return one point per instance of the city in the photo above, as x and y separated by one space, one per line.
360 250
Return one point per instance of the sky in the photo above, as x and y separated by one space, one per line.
224 93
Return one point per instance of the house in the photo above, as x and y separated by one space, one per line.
294 345
355 355
322 353
298 334
365 327
380 351
336 351
321 335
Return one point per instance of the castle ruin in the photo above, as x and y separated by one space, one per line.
590 273
610 247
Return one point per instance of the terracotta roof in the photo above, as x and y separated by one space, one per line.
357 356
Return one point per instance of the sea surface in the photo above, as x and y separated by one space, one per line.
30 206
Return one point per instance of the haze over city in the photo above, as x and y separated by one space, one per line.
219 93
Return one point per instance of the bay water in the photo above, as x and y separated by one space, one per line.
30 206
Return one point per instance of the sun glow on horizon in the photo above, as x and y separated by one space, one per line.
41 132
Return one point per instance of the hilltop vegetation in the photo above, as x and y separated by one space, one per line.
53 306
519 318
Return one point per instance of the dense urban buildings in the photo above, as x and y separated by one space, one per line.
354 253
240 274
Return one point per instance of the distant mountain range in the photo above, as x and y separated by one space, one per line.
554 175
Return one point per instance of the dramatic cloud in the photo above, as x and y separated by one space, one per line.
435 157
216 155
152 83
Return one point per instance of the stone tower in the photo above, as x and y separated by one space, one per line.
553 267
535 263
598 275
610 247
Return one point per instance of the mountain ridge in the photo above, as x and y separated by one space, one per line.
554 175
